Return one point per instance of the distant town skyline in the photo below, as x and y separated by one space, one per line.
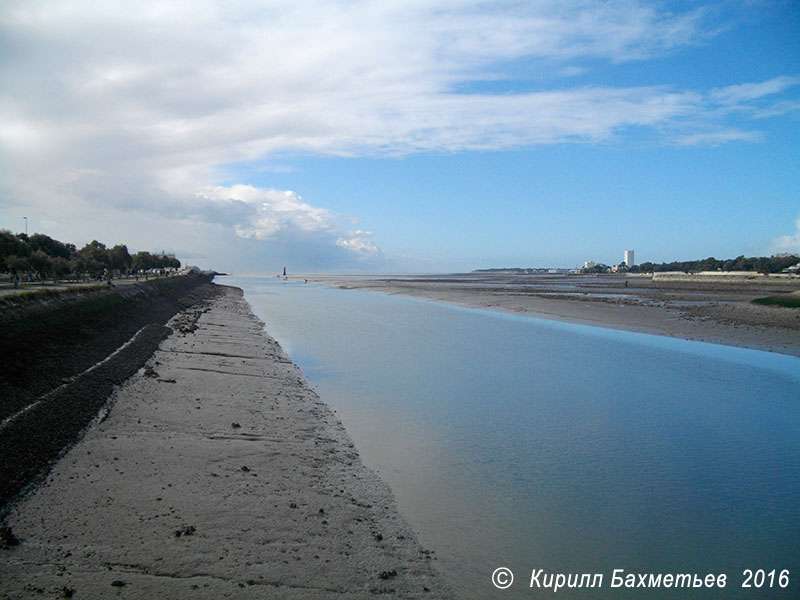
404 137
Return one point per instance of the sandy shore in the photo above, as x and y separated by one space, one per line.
719 312
216 473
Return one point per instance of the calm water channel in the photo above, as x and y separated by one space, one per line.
531 444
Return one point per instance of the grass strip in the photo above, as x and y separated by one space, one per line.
787 301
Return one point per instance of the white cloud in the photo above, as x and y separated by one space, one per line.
166 86
271 211
573 71
275 214
119 106
709 126
718 137
747 92
777 109
359 242
788 243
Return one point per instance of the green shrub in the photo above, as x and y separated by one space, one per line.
788 301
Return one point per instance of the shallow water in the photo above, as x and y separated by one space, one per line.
531 444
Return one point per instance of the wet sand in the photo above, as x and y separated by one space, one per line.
714 310
215 472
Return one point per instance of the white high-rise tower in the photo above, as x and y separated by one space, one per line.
629 258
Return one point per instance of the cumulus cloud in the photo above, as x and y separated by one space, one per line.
282 214
788 243
359 242
266 213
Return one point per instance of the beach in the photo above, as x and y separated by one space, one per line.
213 472
714 309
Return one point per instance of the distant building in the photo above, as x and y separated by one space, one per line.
629 258
588 264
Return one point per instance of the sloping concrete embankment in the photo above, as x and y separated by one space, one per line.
51 385
217 473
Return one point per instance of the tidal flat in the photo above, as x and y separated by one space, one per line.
714 309
214 472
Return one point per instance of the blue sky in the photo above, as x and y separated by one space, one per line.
404 136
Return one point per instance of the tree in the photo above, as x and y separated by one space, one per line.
709 264
61 267
598 268
119 258
17 252
143 261
18 264
95 257
645 267
41 264
77 265
11 245
165 261
763 266
51 247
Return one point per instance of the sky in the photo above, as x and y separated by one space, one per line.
403 135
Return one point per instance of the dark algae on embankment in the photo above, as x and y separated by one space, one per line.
46 394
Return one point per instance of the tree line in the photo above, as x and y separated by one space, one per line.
758 264
45 257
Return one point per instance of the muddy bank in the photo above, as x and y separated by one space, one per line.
716 310
47 396
218 473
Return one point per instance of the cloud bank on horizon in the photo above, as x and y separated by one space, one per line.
118 114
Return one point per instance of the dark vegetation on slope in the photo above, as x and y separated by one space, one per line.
47 344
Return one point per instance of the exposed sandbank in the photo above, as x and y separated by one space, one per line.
217 473
712 311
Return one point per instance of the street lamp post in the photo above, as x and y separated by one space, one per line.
26 226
